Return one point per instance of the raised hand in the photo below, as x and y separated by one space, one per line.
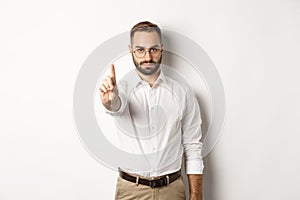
109 91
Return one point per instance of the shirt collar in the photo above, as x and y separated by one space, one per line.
136 80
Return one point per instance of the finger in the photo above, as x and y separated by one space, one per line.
104 97
111 96
103 88
109 81
113 73
106 84
102 94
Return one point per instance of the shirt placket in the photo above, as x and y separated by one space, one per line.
153 125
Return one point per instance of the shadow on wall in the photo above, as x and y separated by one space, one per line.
177 68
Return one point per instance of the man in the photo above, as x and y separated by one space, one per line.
158 118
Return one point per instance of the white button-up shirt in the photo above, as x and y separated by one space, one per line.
161 123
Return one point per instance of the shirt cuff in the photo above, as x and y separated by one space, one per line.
194 167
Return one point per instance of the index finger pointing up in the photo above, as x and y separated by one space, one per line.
112 71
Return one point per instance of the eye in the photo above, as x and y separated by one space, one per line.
140 50
153 50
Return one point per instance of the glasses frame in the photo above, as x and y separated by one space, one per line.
149 51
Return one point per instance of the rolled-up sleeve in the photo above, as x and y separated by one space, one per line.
191 135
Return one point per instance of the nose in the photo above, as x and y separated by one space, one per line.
148 56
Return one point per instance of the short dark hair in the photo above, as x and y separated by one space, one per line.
145 26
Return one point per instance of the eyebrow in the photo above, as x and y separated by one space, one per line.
141 47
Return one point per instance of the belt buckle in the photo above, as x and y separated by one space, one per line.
156 182
153 183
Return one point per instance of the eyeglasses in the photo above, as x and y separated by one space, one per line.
141 52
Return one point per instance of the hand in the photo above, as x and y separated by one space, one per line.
195 197
109 91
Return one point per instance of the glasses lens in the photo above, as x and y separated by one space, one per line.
154 52
140 53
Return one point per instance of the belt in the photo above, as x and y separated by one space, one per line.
153 183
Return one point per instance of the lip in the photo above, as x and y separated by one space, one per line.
148 64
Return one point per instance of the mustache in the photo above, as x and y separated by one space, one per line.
147 62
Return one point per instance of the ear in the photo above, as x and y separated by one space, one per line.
162 46
130 49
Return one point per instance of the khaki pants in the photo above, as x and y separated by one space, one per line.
127 190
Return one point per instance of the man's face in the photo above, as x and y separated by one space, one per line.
150 44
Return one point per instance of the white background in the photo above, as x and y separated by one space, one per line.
254 45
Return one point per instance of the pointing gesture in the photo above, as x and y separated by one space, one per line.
109 92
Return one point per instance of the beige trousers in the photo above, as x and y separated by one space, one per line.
126 190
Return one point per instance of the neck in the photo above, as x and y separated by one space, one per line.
150 79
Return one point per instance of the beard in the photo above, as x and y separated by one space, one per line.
147 70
